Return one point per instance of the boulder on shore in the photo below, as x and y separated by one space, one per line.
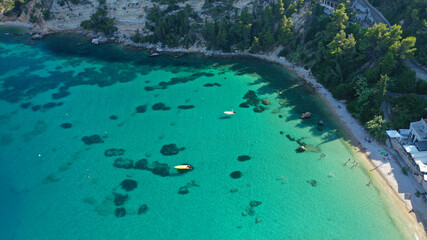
301 149
306 115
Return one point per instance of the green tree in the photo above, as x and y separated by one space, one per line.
339 21
377 127
256 47
341 44
285 34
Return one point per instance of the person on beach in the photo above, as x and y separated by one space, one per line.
370 183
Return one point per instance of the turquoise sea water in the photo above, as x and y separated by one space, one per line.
55 186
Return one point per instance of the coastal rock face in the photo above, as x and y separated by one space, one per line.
129 15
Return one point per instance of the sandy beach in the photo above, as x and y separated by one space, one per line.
386 174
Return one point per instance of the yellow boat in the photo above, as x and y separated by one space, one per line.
184 167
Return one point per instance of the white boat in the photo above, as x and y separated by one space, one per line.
232 112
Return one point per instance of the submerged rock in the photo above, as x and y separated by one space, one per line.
258 220
113 117
300 149
243 158
114 152
141 109
185 107
120 212
266 102
49 105
142 209
244 105
25 105
170 149
120 199
255 203
233 190
160 106
88 140
123 163
313 182
306 115
290 138
141 164
36 108
129 185
252 98
260 109
250 210
66 125
161 169
183 190
236 174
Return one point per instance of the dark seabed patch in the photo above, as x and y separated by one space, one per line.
161 169
212 84
142 209
160 106
141 164
123 163
185 107
60 94
179 80
39 128
113 117
120 199
114 152
170 149
120 212
25 105
6 139
36 108
313 182
243 158
49 105
141 109
129 184
236 174
183 190
66 125
94 139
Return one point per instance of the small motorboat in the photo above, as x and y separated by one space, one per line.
184 167
232 112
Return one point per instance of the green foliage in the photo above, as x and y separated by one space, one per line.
405 170
408 108
171 29
286 33
46 14
377 127
99 22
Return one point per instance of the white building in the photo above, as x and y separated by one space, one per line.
411 144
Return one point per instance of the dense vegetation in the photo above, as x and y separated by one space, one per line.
412 15
99 22
225 29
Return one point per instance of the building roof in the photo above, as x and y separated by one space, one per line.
423 167
393 134
410 148
404 132
421 145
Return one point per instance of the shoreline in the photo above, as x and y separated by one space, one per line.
392 188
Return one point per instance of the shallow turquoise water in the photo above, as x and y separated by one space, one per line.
55 186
